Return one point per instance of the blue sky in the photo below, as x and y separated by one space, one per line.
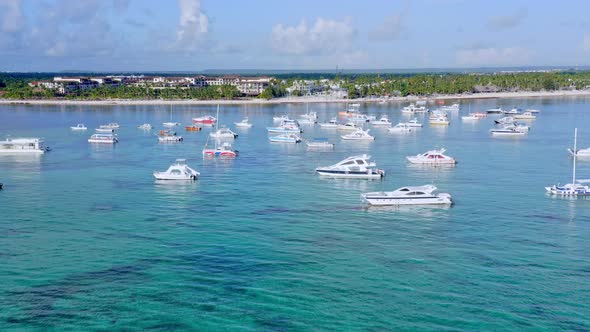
192 35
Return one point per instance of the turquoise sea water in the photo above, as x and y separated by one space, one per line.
89 241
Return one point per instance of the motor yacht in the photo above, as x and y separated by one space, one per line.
498 110
508 131
400 128
525 116
169 136
103 138
514 110
419 195
414 123
287 126
170 124
440 121
104 130
223 133
452 108
243 124
224 149
112 125
285 138
348 126
432 157
145 126
79 126
359 135
310 116
23 145
507 120
383 121
577 187
357 167
177 171
281 118
333 123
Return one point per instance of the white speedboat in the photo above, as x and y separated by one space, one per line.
170 124
412 108
281 118
534 111
514 110
348 126
581 153
243 124
23 145
521 127
420 195
509 131
307 122
357 167
452 108
359 135
112 125
414 123
145 126
319 144
310 116
177 171
285 138
206 120
507 120
400 128
223 133
333 123
383 121
498 110
167 136
525 116
79 126
103 138
287 126
104 130
439 121
577 187
470 118
359 118
432 157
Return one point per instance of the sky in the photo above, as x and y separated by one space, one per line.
195 35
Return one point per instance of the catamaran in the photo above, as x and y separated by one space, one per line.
577 187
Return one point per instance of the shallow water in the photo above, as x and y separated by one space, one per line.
88 240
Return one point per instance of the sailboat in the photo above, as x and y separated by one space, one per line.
170 124
577 187
222 133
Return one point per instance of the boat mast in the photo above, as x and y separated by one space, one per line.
217 122
575 156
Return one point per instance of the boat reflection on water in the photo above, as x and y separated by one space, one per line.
177 189
24 162
431 171
421 211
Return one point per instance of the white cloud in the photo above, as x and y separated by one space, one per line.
325 36
391 28
11 16
193 24
504 22
586 43
491 56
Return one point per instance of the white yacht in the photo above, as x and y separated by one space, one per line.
145 126
453 108
383 121
359 135
581 153
359 118
498 110
414 123
432 157
167 136
577 187
243 124
177 171
439 121
420 195
285 138
525 116
514 110
104 130
508 131
103 138
412 108
286 126
23 145
319 144
223 133
170 124
310 116
333 123
348 126
357 167
507 120
112 125
281 118
400 128
79 126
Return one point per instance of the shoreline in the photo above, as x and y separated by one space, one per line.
295 100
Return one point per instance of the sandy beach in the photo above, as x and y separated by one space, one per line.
295 100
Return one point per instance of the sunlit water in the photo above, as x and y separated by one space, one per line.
88 239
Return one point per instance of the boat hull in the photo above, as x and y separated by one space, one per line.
350 174
381 199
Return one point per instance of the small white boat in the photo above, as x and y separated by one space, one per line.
359 118
525 116
167 136
104 130
177 171
103 138
356 167
507 120
223 133
513 111
452 108
348 126
509 131
287 126
581 153
311 116
112 125
285 138
359 135
319 144
206 120
281 118
439 121
243 124
419 195
414 123
307 121
23 145
470 118
400 128
383 121
534 111
333 123
577 187
79 126
170 124
432 157
145 126
521 127
498 110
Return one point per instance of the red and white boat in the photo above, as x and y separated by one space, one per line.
221 150
206 120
